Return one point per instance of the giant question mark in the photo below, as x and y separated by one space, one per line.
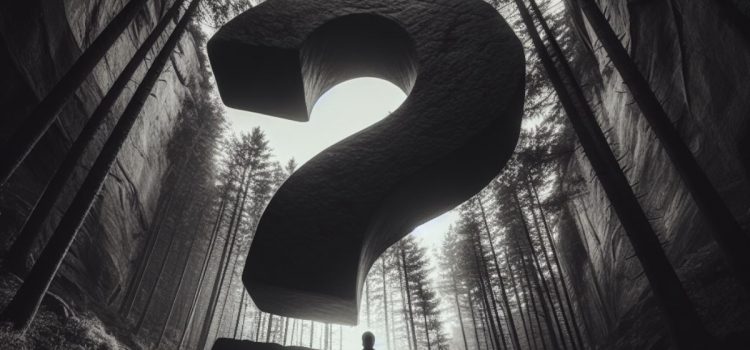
463 70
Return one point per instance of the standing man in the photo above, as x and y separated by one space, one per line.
368 341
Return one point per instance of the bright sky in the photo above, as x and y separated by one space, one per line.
345 109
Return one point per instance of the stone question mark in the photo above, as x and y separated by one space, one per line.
463 70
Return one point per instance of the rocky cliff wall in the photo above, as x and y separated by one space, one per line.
696 60
40 39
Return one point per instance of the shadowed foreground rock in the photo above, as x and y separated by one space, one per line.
231 344
463 69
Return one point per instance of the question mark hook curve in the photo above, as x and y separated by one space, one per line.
463 70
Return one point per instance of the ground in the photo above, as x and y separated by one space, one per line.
55 327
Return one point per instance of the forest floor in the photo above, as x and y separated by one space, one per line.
56 326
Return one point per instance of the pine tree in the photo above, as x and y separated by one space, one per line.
290 167
671 297
425 302
32 227
535 201
250 153
407 267
45 113
405 299
450 281
499 276
187 327
176 293
23 307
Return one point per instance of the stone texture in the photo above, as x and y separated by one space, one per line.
40 40
463 68
230 344
696 61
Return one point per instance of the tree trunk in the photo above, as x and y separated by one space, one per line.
239 314
518 300
268 330
491 294
206 262
473 320
603 314
326 345
458 308
408 296
529 299
544 291
485 297
367 301
286 327
25 303
33 226
239 204
312 332
503 294
44 114
732 240
548 263
680 315
180 281
403 300
228 288
556 259
244 312
144 260
385 304
488 342
394 338
426 329
301 332
162 267
257 326
243 315
294 328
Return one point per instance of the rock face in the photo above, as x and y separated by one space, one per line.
40 40
463 68
696 60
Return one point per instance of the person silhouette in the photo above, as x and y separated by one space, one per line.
368 341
